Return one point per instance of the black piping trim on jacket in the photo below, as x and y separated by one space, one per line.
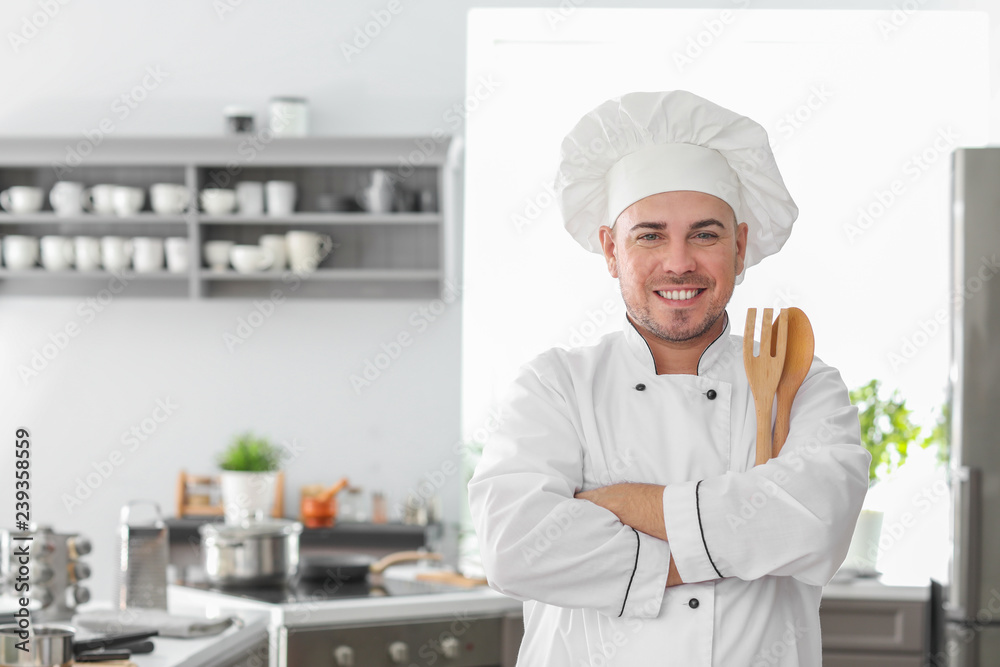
634 568
698 367
697 504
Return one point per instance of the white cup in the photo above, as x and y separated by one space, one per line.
88 253
217 254
57 252
147 256
116 252
100 199
127 200
250 197
20 252
280 197
250 258
278 245
177 254
168 198
307 249
218 201
66 198
21 199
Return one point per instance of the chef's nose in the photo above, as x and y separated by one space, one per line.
677 258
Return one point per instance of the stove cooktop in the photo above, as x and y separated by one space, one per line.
303 591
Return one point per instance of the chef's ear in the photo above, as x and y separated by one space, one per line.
607 236
742 231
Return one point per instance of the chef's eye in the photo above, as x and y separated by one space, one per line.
706 236
648 237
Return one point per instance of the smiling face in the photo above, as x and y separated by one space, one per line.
676 256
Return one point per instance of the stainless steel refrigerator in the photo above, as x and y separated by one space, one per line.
972 600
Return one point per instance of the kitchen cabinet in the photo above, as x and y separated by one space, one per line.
867 624
410 254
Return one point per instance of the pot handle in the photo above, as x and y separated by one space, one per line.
401 557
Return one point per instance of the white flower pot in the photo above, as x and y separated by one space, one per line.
247 496
862 557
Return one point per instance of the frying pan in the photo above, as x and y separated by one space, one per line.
54 645
346 568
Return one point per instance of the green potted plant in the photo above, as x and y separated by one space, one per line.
887 432
249 468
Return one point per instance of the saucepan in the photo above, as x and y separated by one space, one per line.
347 568
258 553
53 645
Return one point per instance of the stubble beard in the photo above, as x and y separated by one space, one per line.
684 329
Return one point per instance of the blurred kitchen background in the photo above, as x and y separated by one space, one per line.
390 378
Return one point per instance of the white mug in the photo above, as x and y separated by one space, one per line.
147 254
280 197
168 198
217 254
177 254
100 199
250 258
21 199
278 245
307 249
128 201
20 252
88 253
218 201
66 198
57 252
250 197
116 252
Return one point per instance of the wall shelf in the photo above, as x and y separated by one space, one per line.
402 254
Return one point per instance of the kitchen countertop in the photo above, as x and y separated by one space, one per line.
251 628
863 589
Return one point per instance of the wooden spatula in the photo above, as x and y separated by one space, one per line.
798 360
764 372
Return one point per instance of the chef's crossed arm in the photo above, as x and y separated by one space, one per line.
613 548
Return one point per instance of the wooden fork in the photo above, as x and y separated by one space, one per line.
764 372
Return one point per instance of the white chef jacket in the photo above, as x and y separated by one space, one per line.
762 541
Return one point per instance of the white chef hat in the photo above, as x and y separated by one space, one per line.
641 144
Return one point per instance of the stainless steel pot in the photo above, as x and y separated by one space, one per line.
51 646
257 553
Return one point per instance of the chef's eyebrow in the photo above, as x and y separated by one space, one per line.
659 226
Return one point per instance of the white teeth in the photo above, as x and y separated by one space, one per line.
678 295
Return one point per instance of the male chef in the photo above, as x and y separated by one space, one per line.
619 499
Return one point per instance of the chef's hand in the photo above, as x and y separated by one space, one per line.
639 506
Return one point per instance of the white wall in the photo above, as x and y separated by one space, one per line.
290 381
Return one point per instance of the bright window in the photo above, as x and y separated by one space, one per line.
862 118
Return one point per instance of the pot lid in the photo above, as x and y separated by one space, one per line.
264 528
